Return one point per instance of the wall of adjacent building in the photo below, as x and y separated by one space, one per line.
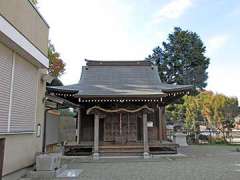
22 15
21 146
22 89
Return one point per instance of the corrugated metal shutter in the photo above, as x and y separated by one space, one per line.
5 85
24 96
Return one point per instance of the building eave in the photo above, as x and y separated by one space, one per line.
178 88
122 96
60 101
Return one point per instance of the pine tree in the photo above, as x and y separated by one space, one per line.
182 59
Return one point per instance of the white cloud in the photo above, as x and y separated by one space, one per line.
216 42
172 10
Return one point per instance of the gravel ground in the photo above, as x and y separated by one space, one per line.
202 162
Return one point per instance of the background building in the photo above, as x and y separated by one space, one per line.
23 57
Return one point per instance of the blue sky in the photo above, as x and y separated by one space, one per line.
130 29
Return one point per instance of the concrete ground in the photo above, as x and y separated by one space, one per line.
17 174
201 162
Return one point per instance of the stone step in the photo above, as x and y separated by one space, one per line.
121 149
107 154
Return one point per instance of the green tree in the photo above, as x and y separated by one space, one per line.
205 99
191 108
56 64
182 59
175 113
55 82
225 109
216 111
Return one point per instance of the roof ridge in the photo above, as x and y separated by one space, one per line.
118 62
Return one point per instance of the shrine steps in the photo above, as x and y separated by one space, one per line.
120 150
77 150
116 150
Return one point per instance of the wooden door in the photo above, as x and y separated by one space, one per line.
132 124
125 127
108 135
120 128
129 127
116 128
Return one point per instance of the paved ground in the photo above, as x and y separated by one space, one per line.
202 162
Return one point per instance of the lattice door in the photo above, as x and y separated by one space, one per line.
132 124
120 128
125 128
108 136
111 127
116 128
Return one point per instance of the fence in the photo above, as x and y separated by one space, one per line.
213 137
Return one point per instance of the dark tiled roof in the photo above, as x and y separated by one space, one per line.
60 101
71 89
120 78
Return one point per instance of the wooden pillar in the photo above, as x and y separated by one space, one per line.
162 124
79 126
96 137
120 125
160 133
145 137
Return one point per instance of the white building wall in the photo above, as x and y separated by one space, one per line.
23 51
21 146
